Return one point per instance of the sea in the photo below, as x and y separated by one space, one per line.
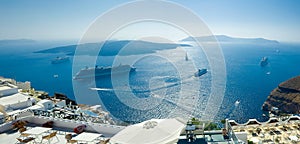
156 86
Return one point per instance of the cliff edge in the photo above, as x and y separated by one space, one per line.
286 97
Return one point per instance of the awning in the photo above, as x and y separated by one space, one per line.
153 131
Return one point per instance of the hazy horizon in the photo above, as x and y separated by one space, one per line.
121 39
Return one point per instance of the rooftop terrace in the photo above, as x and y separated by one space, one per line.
10 136
272 131
93 132
36 127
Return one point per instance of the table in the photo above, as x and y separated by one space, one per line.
255 140
87 137
293 138
37 131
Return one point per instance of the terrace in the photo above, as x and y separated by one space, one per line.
272 131
52 135
40 129
30 128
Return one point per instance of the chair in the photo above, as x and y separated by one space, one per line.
19 124
21 130
104 141
69 139
49 137
27 140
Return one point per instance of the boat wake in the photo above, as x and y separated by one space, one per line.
169 85
101 89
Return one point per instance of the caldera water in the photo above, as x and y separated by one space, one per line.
247 82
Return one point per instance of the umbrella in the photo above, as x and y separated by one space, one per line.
151 132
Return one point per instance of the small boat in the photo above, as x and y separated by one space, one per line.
237 103
264 62
58 60
186 57
55 76
268 73
200 72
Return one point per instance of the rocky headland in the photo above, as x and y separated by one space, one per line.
285 98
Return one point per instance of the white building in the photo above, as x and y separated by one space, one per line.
3 80
42 105
6 90
24 85
16 101
2 118
12 100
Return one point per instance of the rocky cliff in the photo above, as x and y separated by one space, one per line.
286 97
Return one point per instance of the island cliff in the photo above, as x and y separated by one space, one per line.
286 97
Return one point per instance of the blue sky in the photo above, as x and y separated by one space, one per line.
69 19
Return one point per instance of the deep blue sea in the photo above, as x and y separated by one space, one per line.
247 82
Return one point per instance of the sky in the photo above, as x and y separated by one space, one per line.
69 19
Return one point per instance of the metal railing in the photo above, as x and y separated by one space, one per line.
57 115
15 116
68 116
232 135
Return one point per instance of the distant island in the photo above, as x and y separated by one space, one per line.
16 41
285 98
112 48
228 39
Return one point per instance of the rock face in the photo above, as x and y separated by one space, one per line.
286 97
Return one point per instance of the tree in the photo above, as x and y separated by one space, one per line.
223 121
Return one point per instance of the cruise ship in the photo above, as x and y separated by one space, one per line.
200 72
58 60
264 62
103 71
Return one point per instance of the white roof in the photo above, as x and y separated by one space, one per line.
14 112
151 132
13 99
45 101
85 136
36 107
4 88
